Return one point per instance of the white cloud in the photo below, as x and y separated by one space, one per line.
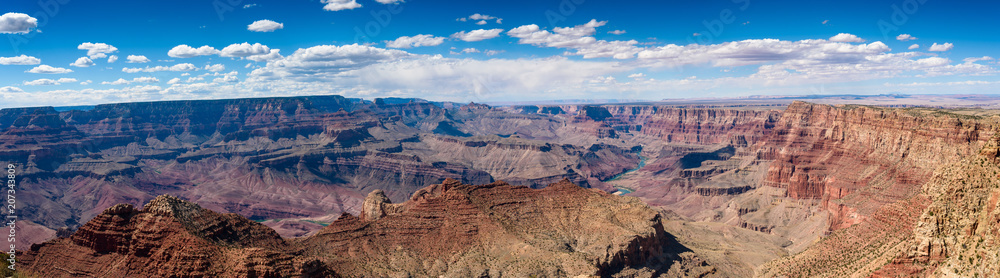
10 89
616 32
46 69
265 26
941 47
414 41
477 35
470 50
578 37
637 75
255 52
339 5
177 67
175 80
82 62
137 59
215 67
247 6
273 55
17 23
977 59
185 51
751 52
826 21
97 50
389 1
86 82
482 18
193 79
327 59
226 79
845 37
112 59
122 81
20 60
905 37
46 81
913 46
244 50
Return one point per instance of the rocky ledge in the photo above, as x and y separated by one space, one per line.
450 229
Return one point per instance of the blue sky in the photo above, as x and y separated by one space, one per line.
66 52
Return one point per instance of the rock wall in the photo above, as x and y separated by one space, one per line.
449 229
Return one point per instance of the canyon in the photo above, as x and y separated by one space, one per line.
325 185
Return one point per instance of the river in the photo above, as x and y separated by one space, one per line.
625 190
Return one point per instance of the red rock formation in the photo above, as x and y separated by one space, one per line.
862 157
695 125
167 238
496 229
448 229
878 173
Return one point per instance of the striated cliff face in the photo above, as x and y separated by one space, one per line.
167 238
280 158
500 230
695 125
857 159
889 182
449 229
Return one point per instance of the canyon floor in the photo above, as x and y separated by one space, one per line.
326 186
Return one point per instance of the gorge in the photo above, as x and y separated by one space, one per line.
420 188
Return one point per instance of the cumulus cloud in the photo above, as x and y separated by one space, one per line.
97 50
137 59
477 35
185 51
339 5
329 59
46 69
10 89
616 32
845 37
941 47
414 41
579 37
122 81
215 67
46 81
905 37
112 59
177 67
17 23
82 62
913 46
265 26
480 19
244 50
636 75
20 60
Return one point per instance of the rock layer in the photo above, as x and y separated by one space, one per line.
449 229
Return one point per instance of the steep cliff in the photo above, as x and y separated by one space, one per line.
449 229
168 238
865 168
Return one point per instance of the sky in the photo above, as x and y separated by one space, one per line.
77 52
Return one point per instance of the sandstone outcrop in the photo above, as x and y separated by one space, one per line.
168 238
449 229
